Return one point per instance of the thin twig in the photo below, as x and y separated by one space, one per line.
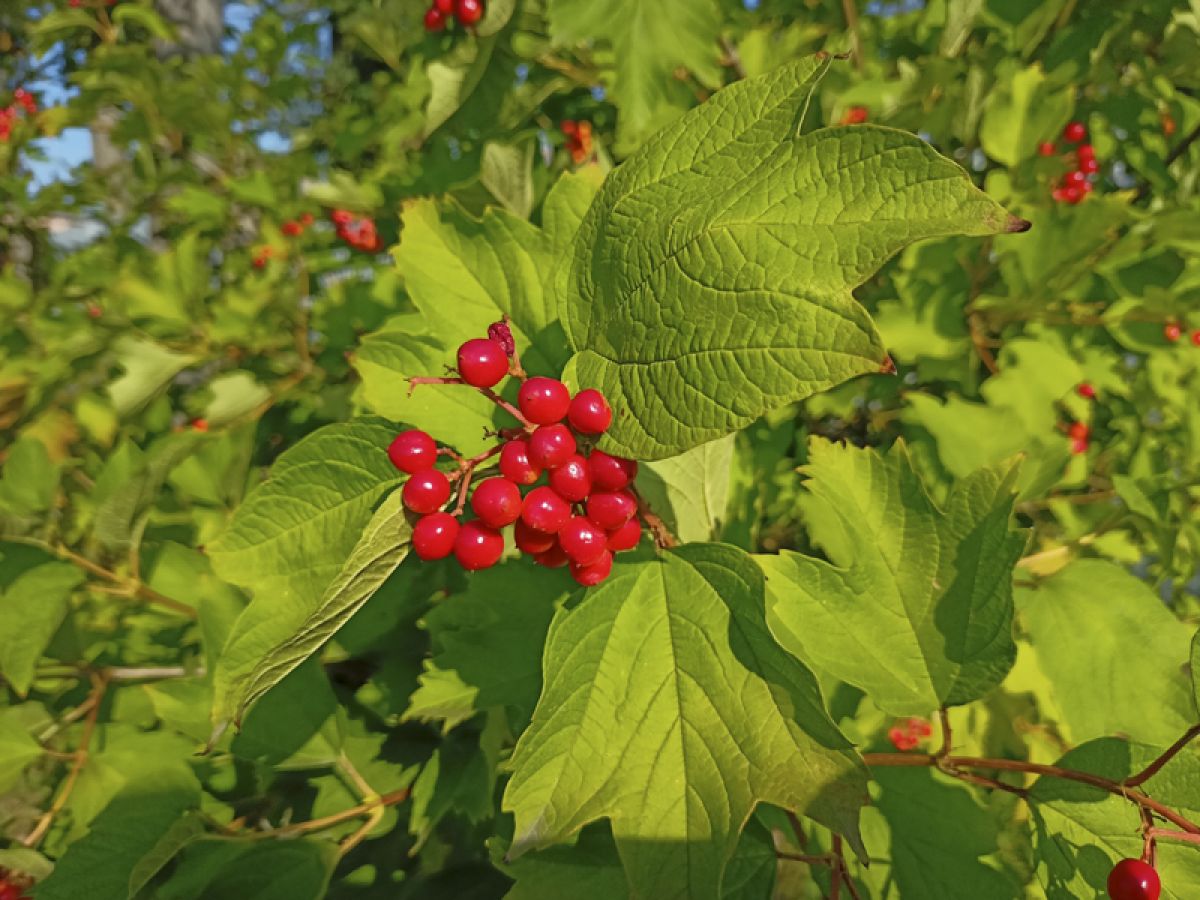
944 719
733 59
132 587
839 865
662 534
850 9
1165 757
1168 835
363 809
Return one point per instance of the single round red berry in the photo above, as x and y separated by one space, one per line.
433 535
425 492
1089 166
531 541
1078 431
478 546
610 473
1086 390
1046 148
1074 132
571 480
593 573
626 537
1079 446
482 362
543 510
1132 879
1076 178
446 7
413 451
589 412
435 19
544 401
1085 151
551 445
611 509
515 464
1072 194
1195 338
583 541
469 11
554 558
1172 331
497 502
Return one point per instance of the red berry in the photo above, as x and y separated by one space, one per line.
199 424
434 19
571 480
1046 148
531 541
478 546
583 541
545 511
433 536
413 451
1074 132
919 727
341 217
10 892
1078 431
446 7
502 335
1086 390
425 492
292 229
1132 879
469 11
589 412
497 502
1085 151
593 573
515 464
611 509
610 473
551 445
626 537
306 219
482 362
544 401
901 738
1089 166
1073 193
1172 331
554 558
1079 446
1076 179
1195 338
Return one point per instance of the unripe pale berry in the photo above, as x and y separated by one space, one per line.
583 541
497 502
571 480
478 546
626 537
611 509
589 412
610 473
433 536
426 491
593 573
515 464
544 401
1132 879
531 541
413 451
551 445
482 362
543 510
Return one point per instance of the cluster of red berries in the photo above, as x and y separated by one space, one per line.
1173 331
357 231
23 101
296 227
578 508
1076 183
855 115
578 139
1134 879
441 12
10 889
908 733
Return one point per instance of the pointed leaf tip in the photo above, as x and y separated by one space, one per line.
1017 225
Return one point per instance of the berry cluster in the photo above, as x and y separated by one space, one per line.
1173 331
357 231
1077 183
1134 879
1080 435
23 101
442 12
855 115
262 256
11 887
578 507
578 140
296 227
908 733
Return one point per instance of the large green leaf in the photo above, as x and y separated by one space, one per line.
916 606
689 491
31 611
1113 654
669 709
1021 112
711 278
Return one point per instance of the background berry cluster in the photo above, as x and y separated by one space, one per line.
443 12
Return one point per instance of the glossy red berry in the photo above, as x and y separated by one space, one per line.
1072 194
1172 331
551 445
1046 148
1089 166
1077 179
626 537
469 12
425 492
593 573
571 480
435 19
583 541
902 738
1074 132
433 536
544 401
610 473
292 229
1086 390
482 362
920 727
10 891
530 540
611 509
413 451
515 464
1132 879
589 412
478 546
497 502
1078 431
554 558
1195 338
1085 151
446 7
543 510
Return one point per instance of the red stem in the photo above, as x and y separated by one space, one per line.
1167 755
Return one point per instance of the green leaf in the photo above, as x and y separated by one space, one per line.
31 611
1112 652
26 862
690 491
17 750
669 709
181 832
252 870
288 620
459 778
234 394
507 171
28 479
145 17
1195 667
295 725
1022 112
710 281
149 367
915 606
